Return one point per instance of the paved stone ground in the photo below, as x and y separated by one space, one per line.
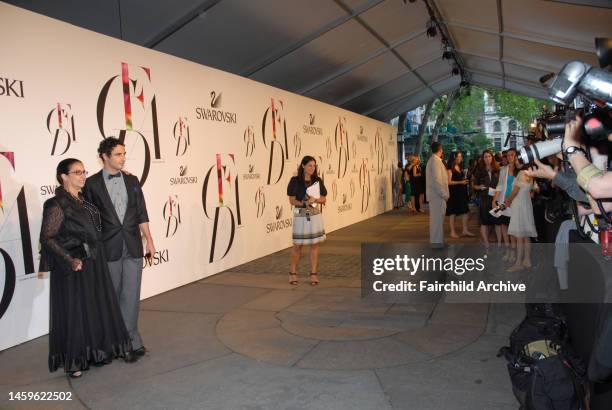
246 339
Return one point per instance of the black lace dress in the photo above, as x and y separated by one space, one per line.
85 323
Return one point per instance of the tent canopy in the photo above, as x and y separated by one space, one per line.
372 57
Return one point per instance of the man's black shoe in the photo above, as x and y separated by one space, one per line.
140 352
131 357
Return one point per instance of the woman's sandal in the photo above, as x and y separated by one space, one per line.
293 281
314 281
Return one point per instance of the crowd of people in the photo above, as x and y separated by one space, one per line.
511 202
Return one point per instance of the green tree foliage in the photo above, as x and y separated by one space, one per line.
522 109
464 113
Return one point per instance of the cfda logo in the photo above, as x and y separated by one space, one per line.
341 144
127 105
379 150
60 124
249 144
15 240
180 132
364 185
221 203
274 136
260 201
172 215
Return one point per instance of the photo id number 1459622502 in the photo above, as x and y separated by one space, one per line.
40 396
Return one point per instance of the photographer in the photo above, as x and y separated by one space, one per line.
594 181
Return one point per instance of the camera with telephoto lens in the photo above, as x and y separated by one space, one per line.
589 91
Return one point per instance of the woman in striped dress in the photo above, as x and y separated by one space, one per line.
308 228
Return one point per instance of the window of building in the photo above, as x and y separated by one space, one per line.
512 125
498 143
497 126
513 142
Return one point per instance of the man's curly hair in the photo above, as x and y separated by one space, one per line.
106 146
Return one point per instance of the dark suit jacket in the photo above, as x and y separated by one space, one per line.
114 233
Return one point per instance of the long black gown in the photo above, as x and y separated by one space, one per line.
457 203
85 323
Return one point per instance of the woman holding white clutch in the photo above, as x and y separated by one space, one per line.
306 191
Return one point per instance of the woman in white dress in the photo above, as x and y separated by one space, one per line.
522 225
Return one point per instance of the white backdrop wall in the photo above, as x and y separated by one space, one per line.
214 152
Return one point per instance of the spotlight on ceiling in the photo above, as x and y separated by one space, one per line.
431 29
455 70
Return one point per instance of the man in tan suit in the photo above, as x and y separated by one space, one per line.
437 195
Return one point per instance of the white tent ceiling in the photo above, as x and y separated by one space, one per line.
369 56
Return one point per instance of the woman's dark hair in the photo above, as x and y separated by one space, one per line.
481 168
107 145
64 168
450 164
305 161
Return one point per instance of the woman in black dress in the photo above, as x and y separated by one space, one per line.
85 325
484 182
417 184
458 200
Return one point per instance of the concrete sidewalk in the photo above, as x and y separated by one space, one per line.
246 339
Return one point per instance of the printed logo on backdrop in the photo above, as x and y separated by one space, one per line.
297 145
214 112
347 206
311 127
117 115
11 88
334 189
281 222
260 201
249 149
274 136
180 132
46 190
159 257
7 239
364 185
361 136
60 124
328 148
341 144
328 170
172 215
221 203
379 150
183 178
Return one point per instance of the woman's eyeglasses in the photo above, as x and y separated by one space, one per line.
79 173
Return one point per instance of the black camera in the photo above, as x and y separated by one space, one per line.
588 90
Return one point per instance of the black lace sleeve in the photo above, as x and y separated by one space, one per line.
53 217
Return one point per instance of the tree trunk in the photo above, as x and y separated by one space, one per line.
419 141
449 104
401 130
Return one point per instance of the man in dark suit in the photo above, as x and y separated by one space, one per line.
124 217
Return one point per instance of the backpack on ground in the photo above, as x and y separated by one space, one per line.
544 371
